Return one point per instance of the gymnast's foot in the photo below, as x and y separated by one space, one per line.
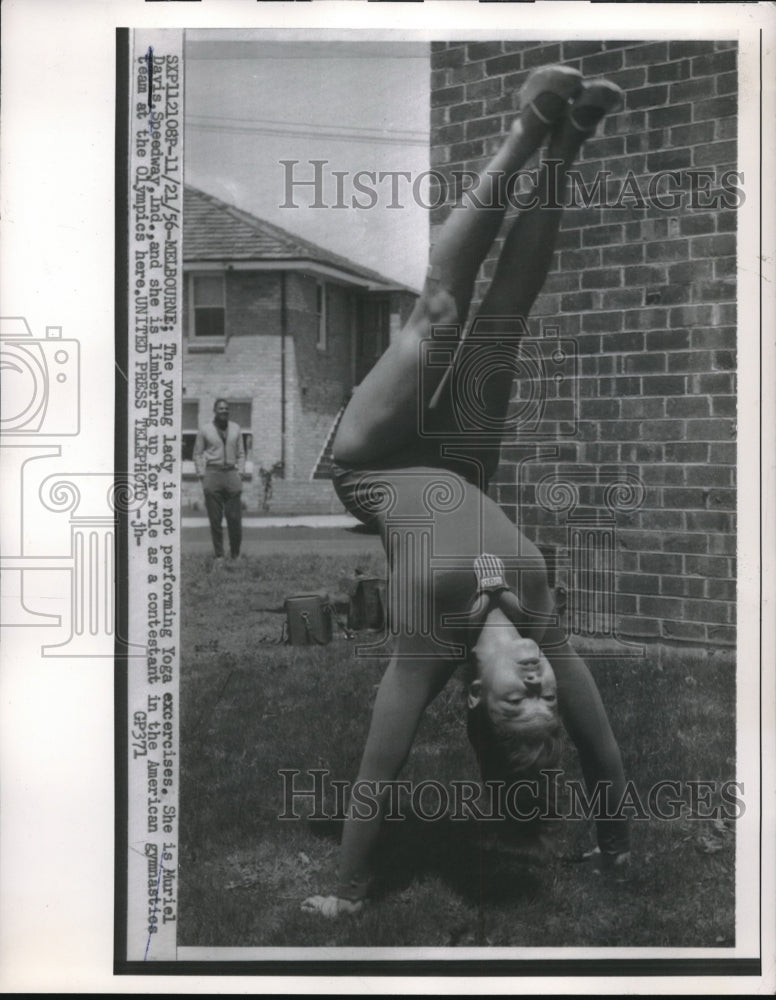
616 866
544 98
332 906
597 99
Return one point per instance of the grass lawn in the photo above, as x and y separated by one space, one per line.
250 709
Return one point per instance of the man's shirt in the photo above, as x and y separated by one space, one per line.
214 449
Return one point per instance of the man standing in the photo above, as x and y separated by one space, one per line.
219 456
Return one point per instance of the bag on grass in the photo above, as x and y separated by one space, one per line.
366 608
308 619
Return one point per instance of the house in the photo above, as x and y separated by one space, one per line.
284 329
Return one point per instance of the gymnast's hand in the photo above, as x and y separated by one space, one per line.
489 571
331 906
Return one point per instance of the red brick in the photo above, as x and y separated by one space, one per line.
447 57
602 63
721 634
602 322
464 112
482 50
691 135
629 79
664 385
724 406
679 586
669 340
580 259
669 159
687 451
685 542
717 382
672 115
449 95
668 250
679 50
668 72
723 545
724 453
646 97
649 453
645 364
727 222
642 408
576 301
542 55
706 611
717 107
714 63
638 583
684 316
709 475
637 627
467 73
721 499
646 319
712 521
575 50
691 90
717 154
479 127
687 406
727 83
600 409
687 271
688 631
618 343
721 590
489 87
710 430
596 236
669 295
645 275
696 225
604 278
651 52
660 607
620 298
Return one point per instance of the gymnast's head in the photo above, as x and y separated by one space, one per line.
513 722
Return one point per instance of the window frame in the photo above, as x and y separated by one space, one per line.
205 341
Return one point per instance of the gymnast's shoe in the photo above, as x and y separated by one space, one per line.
548 90
331 907
597 98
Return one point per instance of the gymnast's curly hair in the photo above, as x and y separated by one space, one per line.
509 753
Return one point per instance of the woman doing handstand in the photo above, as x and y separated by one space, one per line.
487 591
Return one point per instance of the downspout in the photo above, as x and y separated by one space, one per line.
283 333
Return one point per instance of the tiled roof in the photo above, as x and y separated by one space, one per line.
214 230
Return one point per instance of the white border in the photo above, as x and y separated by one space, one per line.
57 268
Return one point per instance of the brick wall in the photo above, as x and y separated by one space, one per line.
648 294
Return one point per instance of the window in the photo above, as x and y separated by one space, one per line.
241 413
208 306
189 429
321 313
